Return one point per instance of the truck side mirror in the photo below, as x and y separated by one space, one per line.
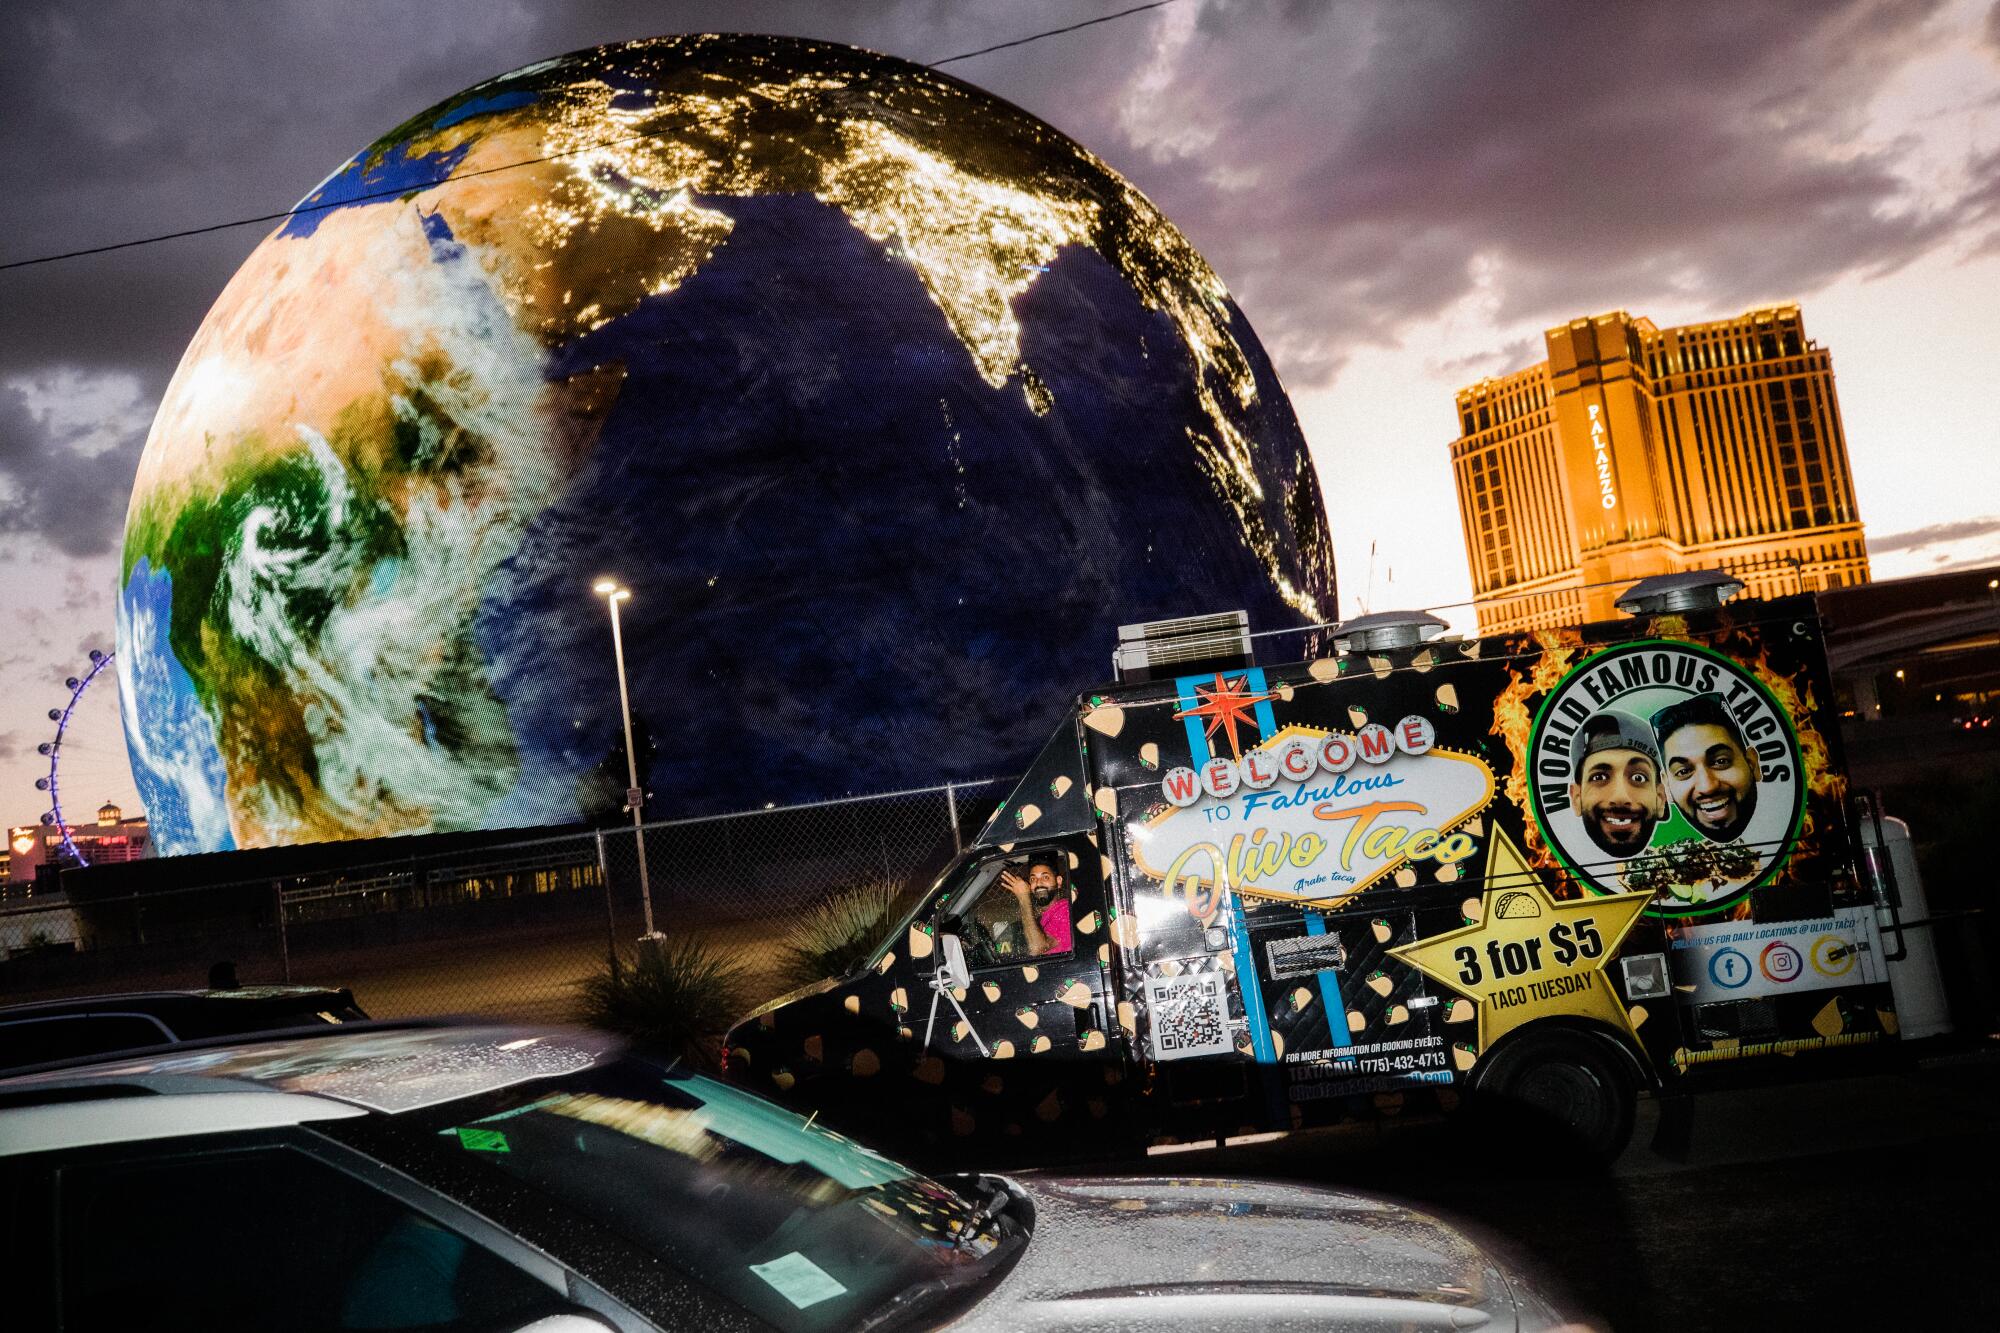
951 967
951 974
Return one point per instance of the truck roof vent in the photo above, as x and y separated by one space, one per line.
1388 629
1185 646
1690 590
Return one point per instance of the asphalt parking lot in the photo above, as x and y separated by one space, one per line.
1852 1203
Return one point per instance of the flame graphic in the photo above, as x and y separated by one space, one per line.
1826 785
1514 717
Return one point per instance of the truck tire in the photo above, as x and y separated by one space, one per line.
1564 1084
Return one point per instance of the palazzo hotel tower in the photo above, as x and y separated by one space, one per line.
1637 450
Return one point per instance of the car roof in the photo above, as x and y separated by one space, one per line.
214 1086
133 1117
168 1002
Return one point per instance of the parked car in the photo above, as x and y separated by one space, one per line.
32 1034
509 1179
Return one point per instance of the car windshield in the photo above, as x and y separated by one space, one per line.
801 1227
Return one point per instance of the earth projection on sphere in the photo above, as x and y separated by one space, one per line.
888 402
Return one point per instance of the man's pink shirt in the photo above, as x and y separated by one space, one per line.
1054 922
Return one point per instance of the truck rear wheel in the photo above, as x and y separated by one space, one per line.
1563 1084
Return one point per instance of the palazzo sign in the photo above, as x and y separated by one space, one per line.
1600 446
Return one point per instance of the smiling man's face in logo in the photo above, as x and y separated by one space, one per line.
1617 787
1711 778
1619 799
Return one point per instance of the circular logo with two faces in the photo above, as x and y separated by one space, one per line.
1667 767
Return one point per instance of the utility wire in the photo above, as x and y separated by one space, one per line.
302 209
1052 32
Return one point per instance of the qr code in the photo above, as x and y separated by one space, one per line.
1188 1015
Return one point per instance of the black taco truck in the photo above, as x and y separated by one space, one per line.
1555 867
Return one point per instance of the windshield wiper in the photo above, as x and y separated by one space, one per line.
921 1298
904 1304
994 1199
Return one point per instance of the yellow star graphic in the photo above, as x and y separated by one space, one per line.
1529 956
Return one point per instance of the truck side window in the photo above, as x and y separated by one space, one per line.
1014 909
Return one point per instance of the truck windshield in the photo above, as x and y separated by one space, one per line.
799 1226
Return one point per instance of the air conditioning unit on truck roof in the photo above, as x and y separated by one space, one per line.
1235 899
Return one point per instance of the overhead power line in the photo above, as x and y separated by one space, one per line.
303 209
1051 32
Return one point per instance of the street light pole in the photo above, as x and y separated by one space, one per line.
635 797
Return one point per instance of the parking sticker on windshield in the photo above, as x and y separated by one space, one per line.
799 1280
483 1140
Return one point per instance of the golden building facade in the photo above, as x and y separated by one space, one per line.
1637 450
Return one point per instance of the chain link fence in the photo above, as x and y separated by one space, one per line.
501 932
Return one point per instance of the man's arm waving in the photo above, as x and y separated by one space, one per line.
1032 933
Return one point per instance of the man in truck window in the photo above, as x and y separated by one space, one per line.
1043 905
1617 788
1710 775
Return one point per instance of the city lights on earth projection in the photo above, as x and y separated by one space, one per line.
888 401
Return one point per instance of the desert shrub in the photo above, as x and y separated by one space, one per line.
674 997
838 933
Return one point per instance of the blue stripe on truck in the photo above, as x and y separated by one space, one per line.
1247 985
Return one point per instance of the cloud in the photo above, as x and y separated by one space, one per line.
1936 549
1982 204
1352 171
1516 354
1347 168
127 119
69 444
1595 157
1936 534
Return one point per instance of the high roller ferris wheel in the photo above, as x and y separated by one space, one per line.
53 749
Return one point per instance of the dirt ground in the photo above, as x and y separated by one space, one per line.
517 977
520 975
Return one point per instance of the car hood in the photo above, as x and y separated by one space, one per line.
1234 1254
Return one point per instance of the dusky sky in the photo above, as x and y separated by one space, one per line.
1401 196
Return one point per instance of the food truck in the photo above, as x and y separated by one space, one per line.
1555 868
